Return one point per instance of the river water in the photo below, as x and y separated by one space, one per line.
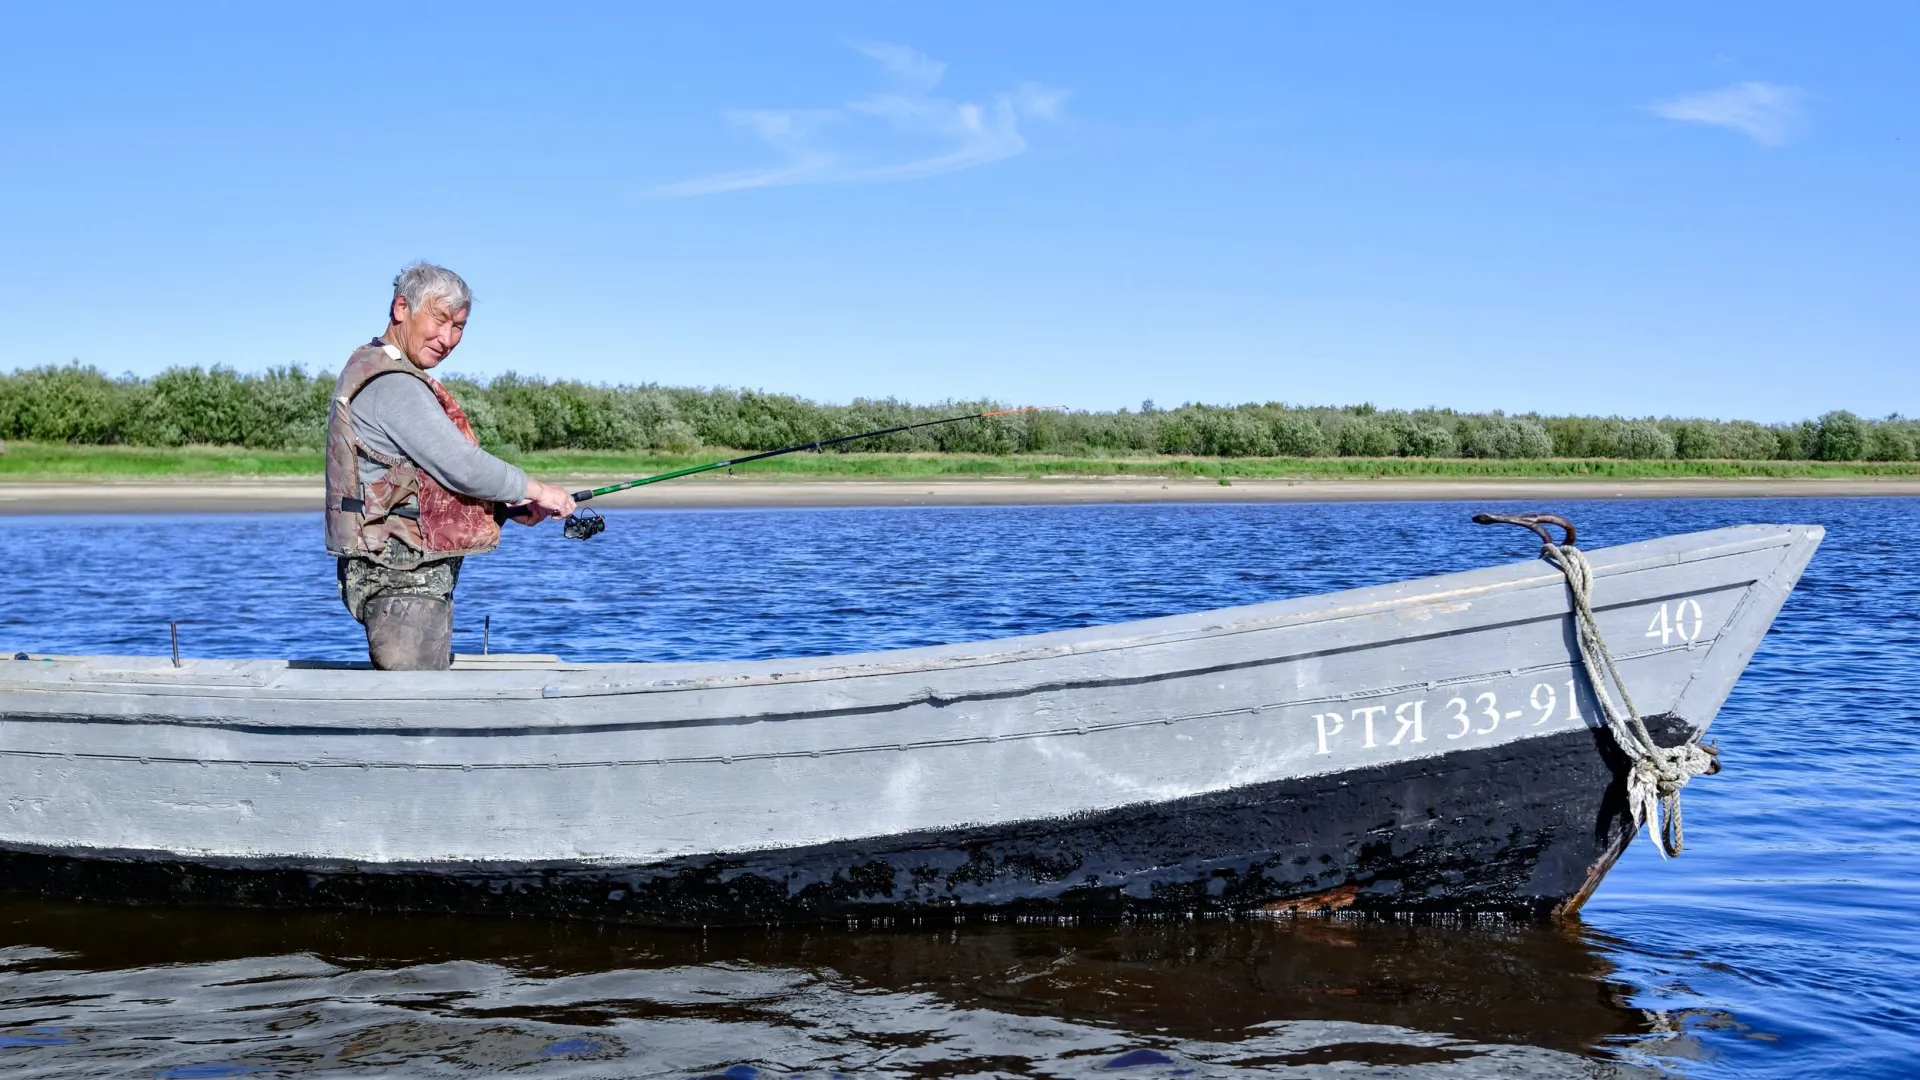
1785 942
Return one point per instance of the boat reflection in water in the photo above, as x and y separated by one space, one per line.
184 992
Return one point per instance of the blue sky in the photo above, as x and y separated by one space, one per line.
1708 209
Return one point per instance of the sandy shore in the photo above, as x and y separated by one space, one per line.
215 496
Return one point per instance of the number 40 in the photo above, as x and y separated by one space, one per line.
1685 622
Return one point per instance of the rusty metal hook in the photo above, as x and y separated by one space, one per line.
1537 522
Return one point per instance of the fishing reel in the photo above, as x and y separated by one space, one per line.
583 524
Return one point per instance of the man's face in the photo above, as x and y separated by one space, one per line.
432 331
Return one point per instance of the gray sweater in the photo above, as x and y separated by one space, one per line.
398 417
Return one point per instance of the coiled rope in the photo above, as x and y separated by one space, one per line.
1655 773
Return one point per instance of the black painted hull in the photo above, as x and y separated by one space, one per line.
1526 828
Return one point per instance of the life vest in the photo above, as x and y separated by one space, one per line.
407 504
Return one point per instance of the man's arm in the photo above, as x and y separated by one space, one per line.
398 416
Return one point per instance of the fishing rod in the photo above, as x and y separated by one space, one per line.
585 523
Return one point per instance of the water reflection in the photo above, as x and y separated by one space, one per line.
90 988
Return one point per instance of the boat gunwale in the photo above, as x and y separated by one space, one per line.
893 745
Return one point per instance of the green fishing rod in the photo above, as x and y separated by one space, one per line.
585 523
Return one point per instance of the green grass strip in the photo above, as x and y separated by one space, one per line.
25 462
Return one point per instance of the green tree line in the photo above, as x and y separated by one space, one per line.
285 408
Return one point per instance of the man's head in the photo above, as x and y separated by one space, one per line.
428 313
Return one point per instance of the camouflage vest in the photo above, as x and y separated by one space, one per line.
407 504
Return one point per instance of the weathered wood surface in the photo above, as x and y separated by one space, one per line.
1170 761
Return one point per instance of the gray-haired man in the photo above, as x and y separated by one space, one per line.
409 491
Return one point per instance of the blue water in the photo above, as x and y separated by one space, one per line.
1784 942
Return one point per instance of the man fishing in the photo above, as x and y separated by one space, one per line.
409 491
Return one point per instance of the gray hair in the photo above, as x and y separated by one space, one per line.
423 281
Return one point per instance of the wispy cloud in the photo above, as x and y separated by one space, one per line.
1767 113
855 142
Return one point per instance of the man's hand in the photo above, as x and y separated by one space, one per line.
542 502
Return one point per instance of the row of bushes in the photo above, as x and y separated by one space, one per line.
286 408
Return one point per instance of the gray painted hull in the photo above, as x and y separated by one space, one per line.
1425 745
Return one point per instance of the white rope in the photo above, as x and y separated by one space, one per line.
1655 773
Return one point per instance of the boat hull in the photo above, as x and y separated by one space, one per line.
1523 829
1431 745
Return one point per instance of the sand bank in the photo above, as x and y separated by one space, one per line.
218 496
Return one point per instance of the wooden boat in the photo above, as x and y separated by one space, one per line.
1425 746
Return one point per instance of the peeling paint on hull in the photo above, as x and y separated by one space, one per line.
1520 829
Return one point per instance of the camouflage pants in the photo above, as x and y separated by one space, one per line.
362 579
408 613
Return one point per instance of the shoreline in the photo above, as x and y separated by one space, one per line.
301 494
